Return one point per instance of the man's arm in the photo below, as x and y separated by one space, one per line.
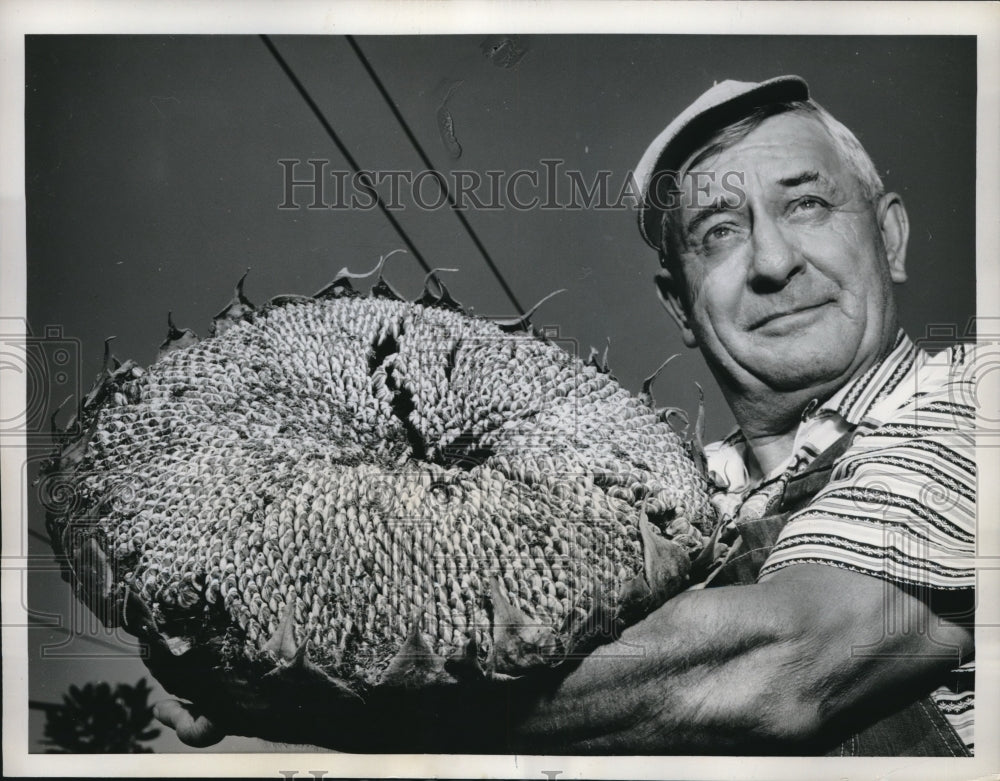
768 668
755 668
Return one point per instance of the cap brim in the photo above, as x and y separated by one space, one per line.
695 125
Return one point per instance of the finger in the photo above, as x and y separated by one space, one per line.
192 728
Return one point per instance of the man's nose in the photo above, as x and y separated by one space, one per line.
775 259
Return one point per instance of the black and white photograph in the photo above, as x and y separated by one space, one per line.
435 390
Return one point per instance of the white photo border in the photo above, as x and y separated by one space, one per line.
20 18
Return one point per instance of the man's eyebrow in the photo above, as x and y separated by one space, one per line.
720 205
803 178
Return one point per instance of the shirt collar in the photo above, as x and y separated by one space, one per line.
851 404
854 401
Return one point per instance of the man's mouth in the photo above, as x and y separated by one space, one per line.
784 313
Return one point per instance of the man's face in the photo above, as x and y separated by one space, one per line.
791 288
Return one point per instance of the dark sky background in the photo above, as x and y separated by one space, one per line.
153 182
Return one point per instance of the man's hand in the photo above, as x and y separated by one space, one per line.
192 727
807 654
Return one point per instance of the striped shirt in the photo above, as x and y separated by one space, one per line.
901 501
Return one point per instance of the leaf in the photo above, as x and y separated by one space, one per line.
96 719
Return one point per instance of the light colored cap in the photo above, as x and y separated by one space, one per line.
722 105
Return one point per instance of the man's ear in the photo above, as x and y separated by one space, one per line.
671 296
895 227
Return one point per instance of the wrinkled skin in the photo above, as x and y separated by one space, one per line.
789 294
764 669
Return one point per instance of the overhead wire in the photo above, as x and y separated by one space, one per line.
35 623
38 535
341 147
124 650
380 86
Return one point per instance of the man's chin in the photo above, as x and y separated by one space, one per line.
810 357
800 374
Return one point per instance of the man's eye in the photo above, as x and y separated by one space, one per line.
717 234
809 203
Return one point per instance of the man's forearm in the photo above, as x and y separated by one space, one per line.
748 669
738 669
684 679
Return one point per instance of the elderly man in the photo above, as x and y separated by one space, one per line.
778 249
839 614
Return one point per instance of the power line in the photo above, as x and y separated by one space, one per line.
430 166
39 536
340 146
71 635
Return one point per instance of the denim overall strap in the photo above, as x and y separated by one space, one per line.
758 536
919 729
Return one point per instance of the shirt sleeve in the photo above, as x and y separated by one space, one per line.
901 502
